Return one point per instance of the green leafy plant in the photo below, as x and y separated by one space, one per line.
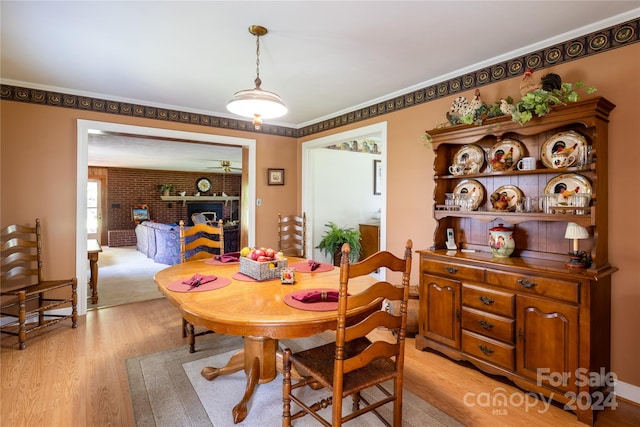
335 237
426 140
539 102
165 187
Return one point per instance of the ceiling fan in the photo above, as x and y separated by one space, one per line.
225 166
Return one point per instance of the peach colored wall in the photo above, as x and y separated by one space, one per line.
45 187
616 75
38 174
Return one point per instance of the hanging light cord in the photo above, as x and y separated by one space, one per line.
258 82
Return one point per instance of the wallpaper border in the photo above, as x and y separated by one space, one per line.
580 47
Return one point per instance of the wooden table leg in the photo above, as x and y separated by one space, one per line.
235 363
93 278
258 358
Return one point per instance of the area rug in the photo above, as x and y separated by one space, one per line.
167 390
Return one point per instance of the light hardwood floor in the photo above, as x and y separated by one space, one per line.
77 377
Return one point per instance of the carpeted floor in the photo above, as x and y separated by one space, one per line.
168 390
125 276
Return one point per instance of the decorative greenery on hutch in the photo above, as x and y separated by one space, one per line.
549 92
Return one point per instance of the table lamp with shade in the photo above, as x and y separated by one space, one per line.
579 259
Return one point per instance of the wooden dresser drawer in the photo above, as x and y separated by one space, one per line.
537 285
453 271
487 324
492 351
490 300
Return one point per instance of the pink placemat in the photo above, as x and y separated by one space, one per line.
244 278
304 267
178 286
310 306
213 261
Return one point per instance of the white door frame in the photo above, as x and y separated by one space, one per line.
85 126
378 130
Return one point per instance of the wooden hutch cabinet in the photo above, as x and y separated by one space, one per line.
527 317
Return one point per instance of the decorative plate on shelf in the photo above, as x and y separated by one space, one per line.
504 155
561 150
470 157
567 184
472 187
506 198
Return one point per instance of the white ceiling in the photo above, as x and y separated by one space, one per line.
323 58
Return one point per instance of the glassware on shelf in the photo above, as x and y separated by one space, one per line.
580 200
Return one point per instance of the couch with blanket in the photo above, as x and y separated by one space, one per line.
161 242
158 241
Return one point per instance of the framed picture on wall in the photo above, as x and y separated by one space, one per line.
140 214
275 176
377 177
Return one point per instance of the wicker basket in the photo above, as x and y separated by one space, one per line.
262 270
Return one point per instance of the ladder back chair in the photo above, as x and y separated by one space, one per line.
292 235
24 291
202 237
353 363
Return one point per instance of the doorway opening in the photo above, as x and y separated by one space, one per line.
319 200
84 127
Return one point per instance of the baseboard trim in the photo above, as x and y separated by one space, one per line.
627 391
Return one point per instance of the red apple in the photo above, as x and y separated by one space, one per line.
270 253
257 254
263 258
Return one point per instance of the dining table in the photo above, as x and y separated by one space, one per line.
262 312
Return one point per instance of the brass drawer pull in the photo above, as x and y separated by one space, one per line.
527 284
486 350
486 300
486 325
451 270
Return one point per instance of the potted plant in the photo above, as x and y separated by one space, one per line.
333 239
165 189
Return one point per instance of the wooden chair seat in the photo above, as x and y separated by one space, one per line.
24 291
39 288
318 363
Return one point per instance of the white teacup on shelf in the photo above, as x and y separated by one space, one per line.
526 164
562 160
457 169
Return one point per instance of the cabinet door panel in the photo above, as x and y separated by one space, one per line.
547 342
440 310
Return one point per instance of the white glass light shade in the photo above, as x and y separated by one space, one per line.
257 103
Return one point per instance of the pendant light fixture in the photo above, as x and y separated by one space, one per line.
257 103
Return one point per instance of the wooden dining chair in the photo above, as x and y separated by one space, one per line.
24 296
292 235
195 243
353 363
